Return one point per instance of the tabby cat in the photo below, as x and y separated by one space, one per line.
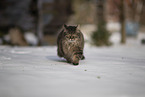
70 44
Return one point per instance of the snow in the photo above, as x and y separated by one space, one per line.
116 71
113 26
31 38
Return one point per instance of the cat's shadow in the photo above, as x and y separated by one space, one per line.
56 59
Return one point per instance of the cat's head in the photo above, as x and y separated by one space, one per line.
70 29
71 33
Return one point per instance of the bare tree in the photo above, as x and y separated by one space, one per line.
119 7
39 27
135 8
122 21
101 36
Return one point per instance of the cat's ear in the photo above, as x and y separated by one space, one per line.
77 26
65 26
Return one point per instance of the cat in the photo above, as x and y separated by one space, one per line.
70 43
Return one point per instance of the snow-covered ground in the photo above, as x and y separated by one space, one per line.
116 71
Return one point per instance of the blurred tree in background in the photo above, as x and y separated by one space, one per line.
130 15
122 21
101 36
44 19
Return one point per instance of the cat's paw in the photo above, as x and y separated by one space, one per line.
83 57
75 60
75 64
59 54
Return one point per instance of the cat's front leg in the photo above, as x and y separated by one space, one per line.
68 58
75 60
79 53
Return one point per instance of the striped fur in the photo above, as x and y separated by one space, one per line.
70 44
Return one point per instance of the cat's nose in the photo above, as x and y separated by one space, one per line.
71 39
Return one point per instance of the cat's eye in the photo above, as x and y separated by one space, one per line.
75 36
66 37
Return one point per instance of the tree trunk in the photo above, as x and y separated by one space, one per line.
101 36
122 21
100 14
139 10
39 22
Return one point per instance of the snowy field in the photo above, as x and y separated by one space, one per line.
117 71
